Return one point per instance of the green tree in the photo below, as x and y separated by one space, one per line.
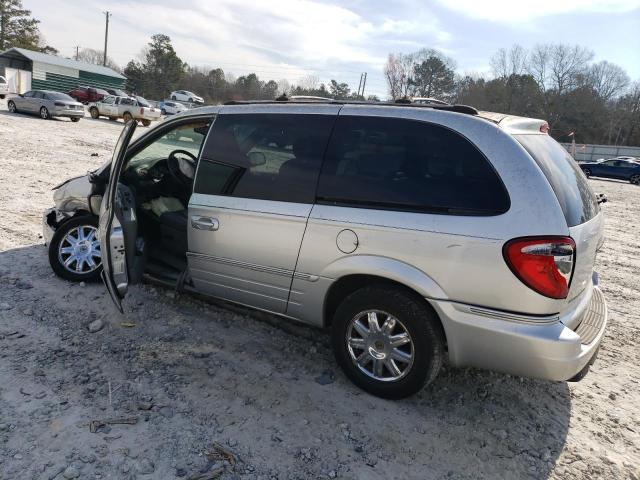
217 84
339 91
134 71
163 69
433 78
19 29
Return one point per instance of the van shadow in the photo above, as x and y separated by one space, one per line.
468 424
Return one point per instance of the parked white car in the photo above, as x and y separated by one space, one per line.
186 96
171 108
4 87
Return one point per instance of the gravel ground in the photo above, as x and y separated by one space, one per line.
213 392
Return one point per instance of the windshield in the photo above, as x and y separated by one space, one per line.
59 96
142 102
188 137
577 200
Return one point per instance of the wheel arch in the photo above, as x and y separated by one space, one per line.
53 222
354 272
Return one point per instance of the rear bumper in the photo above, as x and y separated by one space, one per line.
531 347
65 112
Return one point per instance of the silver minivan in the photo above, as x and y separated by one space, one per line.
417 234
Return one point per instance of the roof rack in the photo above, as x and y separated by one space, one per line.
401 103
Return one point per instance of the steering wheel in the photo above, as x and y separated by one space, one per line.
182 169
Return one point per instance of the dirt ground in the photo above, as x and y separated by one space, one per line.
212 392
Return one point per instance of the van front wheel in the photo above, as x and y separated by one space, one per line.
387 341
74 251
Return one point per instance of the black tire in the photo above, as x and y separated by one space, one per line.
146 123
635 179
190 100
418 319
75 119
173 97
54 257
44 113
11 106
163 111
587 172
127 117
94 112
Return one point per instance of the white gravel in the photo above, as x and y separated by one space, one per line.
204 381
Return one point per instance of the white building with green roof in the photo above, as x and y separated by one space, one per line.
28 70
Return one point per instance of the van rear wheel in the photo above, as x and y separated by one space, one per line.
387 341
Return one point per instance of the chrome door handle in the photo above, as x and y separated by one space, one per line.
204 223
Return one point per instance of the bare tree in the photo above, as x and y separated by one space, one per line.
566 63
607 79
395 75
284 86
309 82
505 63
95 57
538 65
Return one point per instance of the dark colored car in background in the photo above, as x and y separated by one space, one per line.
88 94
621 169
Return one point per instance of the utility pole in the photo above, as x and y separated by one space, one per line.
360 84
364 83
77 52
106 37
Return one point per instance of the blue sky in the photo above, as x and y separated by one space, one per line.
289 39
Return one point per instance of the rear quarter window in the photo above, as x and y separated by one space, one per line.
577 200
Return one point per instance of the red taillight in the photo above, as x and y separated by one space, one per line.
141 111
544 264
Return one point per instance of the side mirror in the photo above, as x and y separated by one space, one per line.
257 158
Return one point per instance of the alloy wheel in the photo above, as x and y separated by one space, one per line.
587 172
12 107
79 250
635 179
380 345
44 113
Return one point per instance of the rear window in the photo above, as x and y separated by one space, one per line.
577 200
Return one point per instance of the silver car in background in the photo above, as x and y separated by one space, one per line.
416 234
47 104
4 87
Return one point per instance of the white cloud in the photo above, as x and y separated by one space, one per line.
510 10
